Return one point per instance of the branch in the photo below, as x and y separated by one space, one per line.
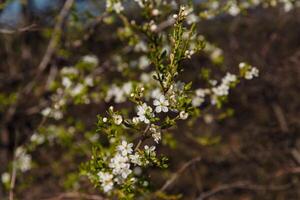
76 195
55 37
56 34
176 175
242 185
31 27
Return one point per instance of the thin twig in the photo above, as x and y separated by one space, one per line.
56 34
176 175
55 38
14 172
31 27
76 195
142 138
280 118
241 185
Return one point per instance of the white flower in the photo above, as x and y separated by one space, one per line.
135 159
161 104
141 47
144 62
89 81
213 82
37 138
253 72
155 12
242 65
117 119
120 166
221 90
5 177
46 112
150 150
23 161
126 172
234 10
118 7
192 18
127 87
140 2
197 101
119 93
229 78
183 115
69 71
153 27
125 148
135 120
106 180
104 119
92 59
178 86
156 93
77 89
66 82
143 112
201 92
156 134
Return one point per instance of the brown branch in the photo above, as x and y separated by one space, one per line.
13 172
56 34
280 118
142 138
55 38
177 174
165 24
76 195
90 29
28 28
241 185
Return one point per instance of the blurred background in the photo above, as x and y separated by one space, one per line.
251 150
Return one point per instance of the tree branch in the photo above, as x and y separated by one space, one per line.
177 174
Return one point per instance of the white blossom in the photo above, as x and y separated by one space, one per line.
253 72
92 59
135 159
104 119
23 160
150 150
197 101
117 119
183 115
5 177
161 104
135 120
156 134
106 180
143 112
124 148
37 138
66 82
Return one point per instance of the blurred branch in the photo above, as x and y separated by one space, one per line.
76 195
31 27
177 174
280 117
242 185
90 29
55 38
13 172
55 35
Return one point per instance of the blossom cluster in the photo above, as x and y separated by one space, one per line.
160 99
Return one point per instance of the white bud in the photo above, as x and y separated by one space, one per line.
183 115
